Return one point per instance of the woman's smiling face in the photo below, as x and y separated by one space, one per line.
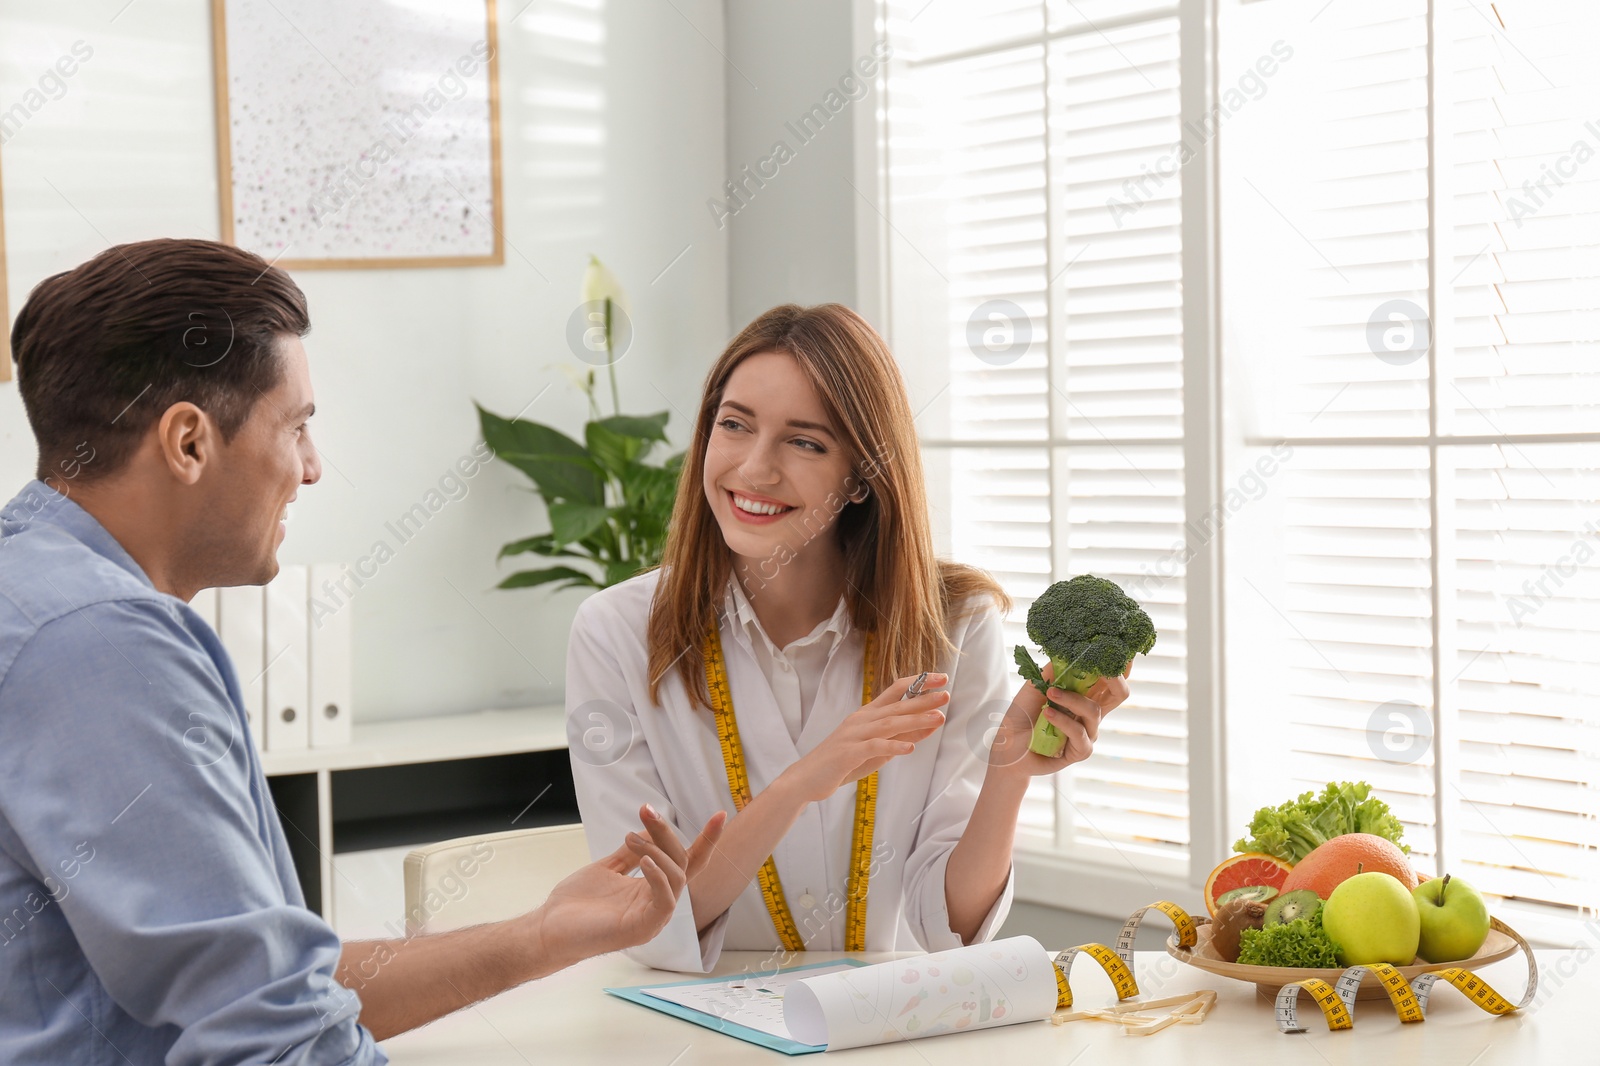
776 473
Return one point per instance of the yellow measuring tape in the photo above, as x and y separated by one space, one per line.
1410 999
855 912
1118 963
1336 1001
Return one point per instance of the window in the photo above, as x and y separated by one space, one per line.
1320 288
1036 306
1416 277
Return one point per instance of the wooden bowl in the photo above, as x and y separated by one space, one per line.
1268 979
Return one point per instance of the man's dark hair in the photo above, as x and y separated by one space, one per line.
104 349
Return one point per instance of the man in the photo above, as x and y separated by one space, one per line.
149 912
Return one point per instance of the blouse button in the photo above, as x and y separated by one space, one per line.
808 901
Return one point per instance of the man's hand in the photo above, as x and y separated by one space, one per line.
602 908
410 982
1080 724
691 859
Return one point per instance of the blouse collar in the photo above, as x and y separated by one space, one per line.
738 607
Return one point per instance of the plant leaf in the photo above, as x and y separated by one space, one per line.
600 543
528 578
613 451
537 544
559 466
560 478
574 481
521 437
644 486
543 544
619 570
645 527
571 522
641 427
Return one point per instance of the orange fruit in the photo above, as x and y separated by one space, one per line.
1343 856
1240 871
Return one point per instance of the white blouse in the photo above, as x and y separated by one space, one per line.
626 752
793 671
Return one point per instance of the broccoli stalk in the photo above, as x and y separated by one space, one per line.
1090 629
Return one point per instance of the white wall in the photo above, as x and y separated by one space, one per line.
613 134
793 236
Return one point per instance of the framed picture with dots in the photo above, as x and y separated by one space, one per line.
359 134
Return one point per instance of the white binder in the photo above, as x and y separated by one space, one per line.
330 660
288 682
239 624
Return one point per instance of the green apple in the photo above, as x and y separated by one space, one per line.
1372 917
1455 920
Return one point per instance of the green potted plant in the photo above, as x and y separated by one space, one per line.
608 502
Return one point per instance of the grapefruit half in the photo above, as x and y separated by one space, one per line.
1337 858
1251 868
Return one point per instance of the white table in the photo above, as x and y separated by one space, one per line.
566 1019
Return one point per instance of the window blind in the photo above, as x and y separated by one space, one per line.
1043 329
1432 593
1524 359
1409 239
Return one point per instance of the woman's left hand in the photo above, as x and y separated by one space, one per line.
1010 754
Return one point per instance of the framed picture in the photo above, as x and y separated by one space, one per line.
363 133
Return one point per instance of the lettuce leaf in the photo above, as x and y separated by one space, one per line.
1290 830
1302 942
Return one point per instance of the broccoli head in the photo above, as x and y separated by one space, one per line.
1090 629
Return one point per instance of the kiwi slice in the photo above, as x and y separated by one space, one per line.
1253 893
1301 903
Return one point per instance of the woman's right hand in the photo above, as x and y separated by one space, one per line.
879 731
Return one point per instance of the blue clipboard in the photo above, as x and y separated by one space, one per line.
637 994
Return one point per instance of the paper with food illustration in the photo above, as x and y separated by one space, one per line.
754 1001
975 987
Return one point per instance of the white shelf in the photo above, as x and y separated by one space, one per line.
434 739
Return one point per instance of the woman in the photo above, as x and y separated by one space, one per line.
799 586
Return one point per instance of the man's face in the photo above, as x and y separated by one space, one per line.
258 474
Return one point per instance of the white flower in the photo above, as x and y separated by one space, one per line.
600 284
582 379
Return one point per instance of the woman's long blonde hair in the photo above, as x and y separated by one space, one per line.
894 585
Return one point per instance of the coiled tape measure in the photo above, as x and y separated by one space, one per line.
1336 1001
1118 964
1410 999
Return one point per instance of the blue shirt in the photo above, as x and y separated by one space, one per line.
149 911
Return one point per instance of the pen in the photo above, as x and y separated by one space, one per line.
916 686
